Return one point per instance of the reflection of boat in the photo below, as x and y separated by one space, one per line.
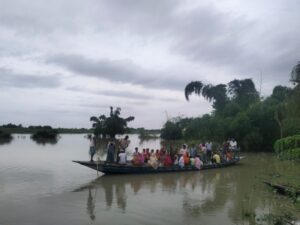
114 168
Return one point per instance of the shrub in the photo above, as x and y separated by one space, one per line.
288 148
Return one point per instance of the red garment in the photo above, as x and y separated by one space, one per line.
186 159
168 160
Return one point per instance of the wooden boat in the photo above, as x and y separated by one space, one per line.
114 168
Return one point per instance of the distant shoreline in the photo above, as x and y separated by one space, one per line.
59 130
26 130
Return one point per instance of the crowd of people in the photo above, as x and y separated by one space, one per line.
185 156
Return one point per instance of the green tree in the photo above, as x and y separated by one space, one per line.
280 93
279 117
111 125
99 125
215 94
171 130
243 92
295 74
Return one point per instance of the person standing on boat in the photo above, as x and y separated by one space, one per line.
183 150
92 147
124 143
203 152
208 151
193 151
110 152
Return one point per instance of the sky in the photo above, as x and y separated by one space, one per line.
63 61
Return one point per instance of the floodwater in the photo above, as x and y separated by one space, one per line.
39 184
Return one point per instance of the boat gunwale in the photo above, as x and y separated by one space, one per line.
115 168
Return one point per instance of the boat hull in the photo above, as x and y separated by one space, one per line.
114 168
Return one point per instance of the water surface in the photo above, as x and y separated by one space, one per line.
39 184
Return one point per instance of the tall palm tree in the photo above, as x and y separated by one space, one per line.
215 94
193 87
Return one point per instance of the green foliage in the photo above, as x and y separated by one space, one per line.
111 125
293 103
143 134
295 74
291 126
212 128
280 93
243 92
5 137
19 129
215 94
239 113
171 131
10 125
288 147
45 133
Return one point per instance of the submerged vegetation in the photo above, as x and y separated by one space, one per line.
5 137
110 125
45 135
144 134
20 129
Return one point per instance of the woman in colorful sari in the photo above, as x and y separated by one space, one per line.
168 160
135 157
181 162
141 158
198 163
186 158
153 160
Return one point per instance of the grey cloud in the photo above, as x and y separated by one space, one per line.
203 35
122 94
72 16
11 79
121 71
222 40
33 18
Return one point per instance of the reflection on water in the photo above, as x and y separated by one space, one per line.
44 141
4 141
235 192
91 204
190 183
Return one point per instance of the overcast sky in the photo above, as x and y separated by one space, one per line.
63 61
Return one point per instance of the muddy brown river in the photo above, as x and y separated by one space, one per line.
39 185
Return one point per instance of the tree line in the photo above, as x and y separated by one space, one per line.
239 112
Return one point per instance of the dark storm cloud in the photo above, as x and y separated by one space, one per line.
121 71
11 79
